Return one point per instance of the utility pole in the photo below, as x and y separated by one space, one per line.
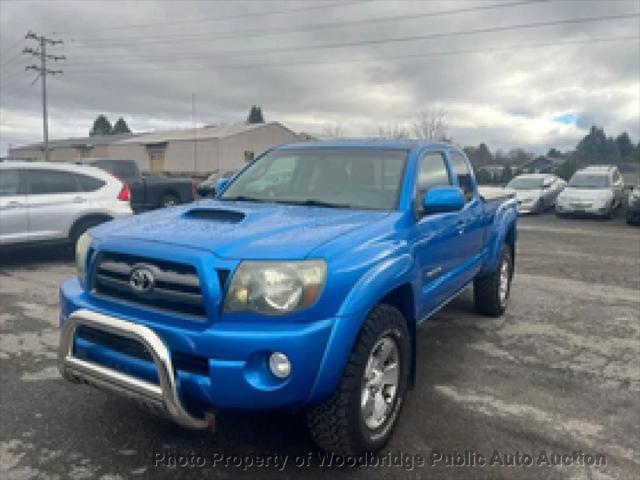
43 71
195 132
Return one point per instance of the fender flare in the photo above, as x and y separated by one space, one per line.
367 292
504 231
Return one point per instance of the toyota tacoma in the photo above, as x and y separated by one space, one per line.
303 293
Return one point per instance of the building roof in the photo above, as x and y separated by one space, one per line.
208 132
86 142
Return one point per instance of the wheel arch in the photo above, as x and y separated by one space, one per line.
390 282
97 216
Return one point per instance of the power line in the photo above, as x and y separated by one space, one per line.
369 59
180 37
43 72
216 19
266 51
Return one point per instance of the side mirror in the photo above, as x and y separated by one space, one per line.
221 185
442 199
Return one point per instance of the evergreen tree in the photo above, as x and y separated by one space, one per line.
120 127
255 115
101 126
625 147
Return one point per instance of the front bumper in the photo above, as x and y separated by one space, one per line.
582 209
231 356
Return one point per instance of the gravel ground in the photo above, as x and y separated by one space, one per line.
558 374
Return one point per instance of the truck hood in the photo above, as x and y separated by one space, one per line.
241 230
571 194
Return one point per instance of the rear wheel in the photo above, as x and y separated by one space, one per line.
363 411
169 200
491 293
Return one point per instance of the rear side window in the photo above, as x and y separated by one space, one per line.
89 184
43 182
126 169
9 182
432 173
463 173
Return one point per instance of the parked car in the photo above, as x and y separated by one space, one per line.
207 188
595 190
633 207
148 191
56 202
535 192
306 294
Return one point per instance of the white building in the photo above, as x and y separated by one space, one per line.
206 149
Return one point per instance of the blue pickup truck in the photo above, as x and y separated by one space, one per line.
299 286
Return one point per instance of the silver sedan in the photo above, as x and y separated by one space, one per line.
536 192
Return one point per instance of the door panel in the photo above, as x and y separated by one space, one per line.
14 224
470 225
54 201
435 236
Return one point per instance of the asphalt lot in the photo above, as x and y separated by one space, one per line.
559 373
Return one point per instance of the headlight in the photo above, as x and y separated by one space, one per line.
82 247
275 288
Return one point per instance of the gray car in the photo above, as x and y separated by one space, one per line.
44 201
594 190
536 192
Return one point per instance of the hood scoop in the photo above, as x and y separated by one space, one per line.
215 214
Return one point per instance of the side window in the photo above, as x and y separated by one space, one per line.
9 183
461 170
127 169
89 184
44 182
432 172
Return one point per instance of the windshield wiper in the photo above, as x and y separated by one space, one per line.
243 198
310 202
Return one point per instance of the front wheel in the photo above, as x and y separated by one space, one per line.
363 411
491 292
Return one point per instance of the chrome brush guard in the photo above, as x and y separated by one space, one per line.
163 395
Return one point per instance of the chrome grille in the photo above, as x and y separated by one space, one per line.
175 286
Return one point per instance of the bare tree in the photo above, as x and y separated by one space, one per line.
333 131
395 132
431 125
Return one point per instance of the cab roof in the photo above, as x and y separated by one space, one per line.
381 144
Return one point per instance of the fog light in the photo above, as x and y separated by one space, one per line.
279 365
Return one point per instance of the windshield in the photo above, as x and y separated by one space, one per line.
585 180
359 178
526 183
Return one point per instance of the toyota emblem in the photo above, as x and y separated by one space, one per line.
142 280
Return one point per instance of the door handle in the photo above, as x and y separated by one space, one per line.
79 200
461 225
14 204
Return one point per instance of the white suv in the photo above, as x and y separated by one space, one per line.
44 201
594 190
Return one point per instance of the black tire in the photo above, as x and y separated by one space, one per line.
539 207
169 200
611 212
81 227
337 425
486 290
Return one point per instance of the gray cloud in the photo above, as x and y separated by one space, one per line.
506 98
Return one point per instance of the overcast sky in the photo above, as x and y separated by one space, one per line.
144 60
